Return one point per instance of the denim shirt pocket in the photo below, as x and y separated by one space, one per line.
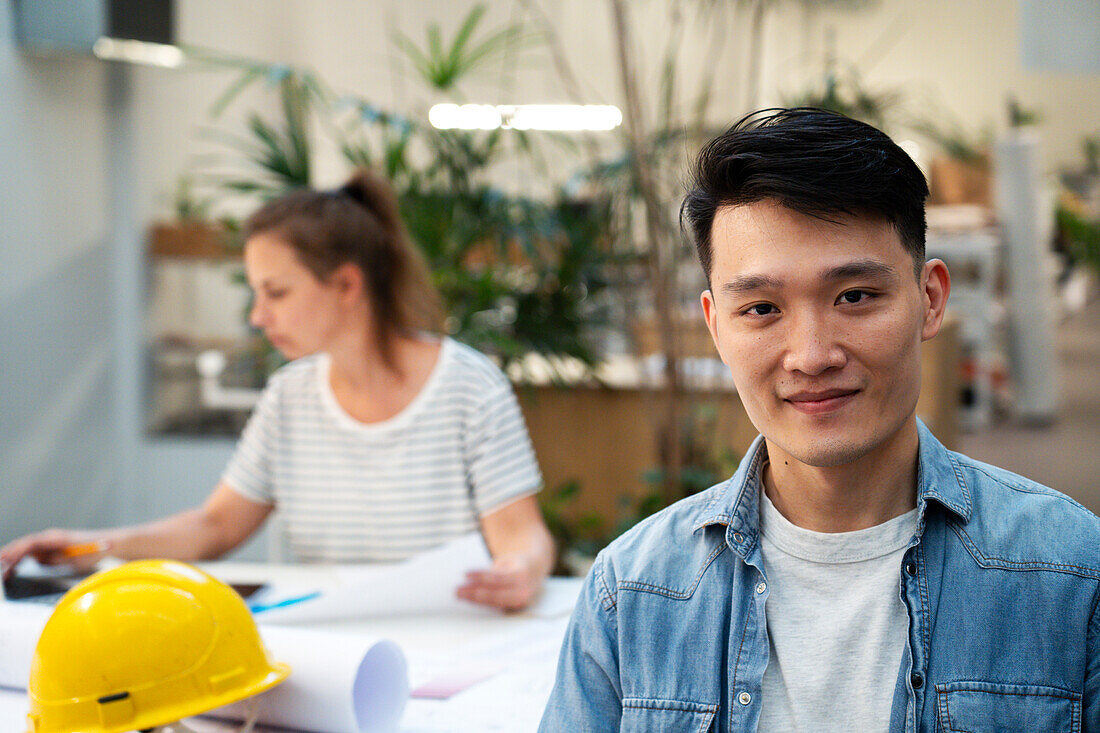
987 707
643 715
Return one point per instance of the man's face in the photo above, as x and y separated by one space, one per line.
820 324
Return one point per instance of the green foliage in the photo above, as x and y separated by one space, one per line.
707 462
956 142
1091 149
845 93
517 274
1020 116
187 203
270 157
442 67
276 155
585 533
1082 237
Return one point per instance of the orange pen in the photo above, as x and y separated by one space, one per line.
85 548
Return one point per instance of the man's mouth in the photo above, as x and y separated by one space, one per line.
820 401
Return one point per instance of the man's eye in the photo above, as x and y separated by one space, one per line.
760 309
275 294
855 296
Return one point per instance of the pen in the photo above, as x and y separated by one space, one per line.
258 607
85 548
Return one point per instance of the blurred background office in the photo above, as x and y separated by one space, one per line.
135 135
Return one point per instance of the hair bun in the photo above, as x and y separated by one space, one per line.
372 191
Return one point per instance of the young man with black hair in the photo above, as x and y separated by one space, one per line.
853 575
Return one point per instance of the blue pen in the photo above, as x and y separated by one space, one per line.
260 607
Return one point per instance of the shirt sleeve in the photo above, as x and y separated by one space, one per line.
250 471
501 462
587 692
1091 702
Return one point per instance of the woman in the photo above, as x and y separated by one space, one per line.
378 440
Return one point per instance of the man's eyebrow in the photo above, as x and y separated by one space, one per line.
742 284
859 268
747 283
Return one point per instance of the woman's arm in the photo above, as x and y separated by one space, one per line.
523 555
225 520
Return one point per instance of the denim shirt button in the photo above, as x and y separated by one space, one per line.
744 698
910 568
761 587
917 681
738 537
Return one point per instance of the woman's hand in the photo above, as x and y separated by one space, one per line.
79 549
523 553
510 584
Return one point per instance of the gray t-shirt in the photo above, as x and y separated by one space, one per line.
381 492
836 624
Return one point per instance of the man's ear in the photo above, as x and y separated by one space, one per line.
710 314
936 285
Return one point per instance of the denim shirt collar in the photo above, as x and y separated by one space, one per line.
736 503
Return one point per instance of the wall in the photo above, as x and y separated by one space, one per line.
57 427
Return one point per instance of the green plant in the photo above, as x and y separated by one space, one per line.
518 274
956 142
1020 116
1081 236
1091 149
583 532
706 462
443 66
188 204
273 157
846 94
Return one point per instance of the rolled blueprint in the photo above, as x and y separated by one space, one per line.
339 683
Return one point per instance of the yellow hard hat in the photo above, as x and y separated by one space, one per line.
144 645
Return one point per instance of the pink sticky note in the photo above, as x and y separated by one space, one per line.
451 683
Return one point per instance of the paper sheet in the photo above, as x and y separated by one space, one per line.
339 683
510 701
20 626
422 584
13 710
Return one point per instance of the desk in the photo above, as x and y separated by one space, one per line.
521 649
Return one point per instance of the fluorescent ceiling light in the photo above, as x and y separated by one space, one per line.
561 117
464 117
137 52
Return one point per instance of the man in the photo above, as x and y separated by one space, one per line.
853 575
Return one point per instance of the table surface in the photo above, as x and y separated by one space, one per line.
516 653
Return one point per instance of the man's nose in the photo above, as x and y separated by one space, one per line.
812 346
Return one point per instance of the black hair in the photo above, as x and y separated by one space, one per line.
812 161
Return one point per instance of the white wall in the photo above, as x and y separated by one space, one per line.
64 427
56 411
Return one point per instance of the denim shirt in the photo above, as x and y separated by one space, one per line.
1000 582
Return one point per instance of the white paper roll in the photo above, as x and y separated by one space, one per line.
339 683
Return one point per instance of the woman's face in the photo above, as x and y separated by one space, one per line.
299 314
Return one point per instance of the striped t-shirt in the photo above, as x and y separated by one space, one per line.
380 492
